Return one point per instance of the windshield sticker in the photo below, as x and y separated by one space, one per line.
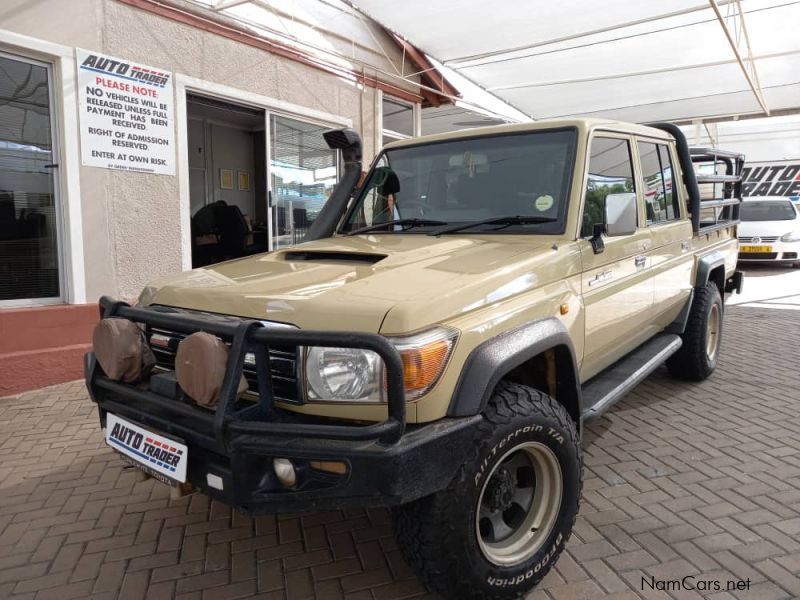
543 203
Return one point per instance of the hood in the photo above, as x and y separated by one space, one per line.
391 283
767 228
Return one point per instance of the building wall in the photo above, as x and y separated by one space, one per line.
132 221
133 227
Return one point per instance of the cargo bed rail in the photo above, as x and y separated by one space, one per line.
722 208
702 166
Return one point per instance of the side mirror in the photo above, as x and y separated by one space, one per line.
621 214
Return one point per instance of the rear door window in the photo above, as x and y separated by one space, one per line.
661 199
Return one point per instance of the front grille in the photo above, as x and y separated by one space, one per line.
758 255
764 239
283 364
789 255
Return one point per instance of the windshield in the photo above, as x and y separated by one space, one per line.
778 210
470 180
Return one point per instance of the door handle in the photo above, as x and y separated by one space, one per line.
640 261
684 246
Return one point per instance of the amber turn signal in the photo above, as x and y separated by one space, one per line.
421 366
424 358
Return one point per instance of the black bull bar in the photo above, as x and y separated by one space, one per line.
215 430
387 462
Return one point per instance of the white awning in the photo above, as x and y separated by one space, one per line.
681 60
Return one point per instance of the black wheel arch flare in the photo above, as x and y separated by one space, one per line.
492 360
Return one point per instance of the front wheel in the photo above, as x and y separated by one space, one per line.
499 526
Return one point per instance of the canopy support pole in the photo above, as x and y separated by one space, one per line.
753 85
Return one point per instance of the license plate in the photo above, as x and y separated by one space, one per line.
755 249
156 453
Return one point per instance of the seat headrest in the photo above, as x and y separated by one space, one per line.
386 181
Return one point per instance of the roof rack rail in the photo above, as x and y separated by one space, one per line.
702 152
717 178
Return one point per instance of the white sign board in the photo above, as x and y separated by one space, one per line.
126 113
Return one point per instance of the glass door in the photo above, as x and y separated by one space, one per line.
303 172
30 262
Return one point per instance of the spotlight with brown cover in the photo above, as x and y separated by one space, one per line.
121 350
200 368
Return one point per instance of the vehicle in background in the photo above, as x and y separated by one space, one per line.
769 230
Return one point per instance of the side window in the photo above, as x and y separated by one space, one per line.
610 172
661 200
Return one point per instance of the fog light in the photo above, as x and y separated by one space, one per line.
284 471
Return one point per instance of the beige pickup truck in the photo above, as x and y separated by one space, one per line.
438 341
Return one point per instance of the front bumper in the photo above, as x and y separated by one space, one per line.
386 463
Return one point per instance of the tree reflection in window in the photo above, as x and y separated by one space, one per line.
610 172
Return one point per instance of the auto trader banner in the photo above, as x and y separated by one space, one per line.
773 179
126 115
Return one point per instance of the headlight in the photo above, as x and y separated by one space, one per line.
792 236
344 374
355 375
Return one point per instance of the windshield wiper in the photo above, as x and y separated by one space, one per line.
504 221
405 223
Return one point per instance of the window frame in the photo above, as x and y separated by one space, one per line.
65 275
360 190
381 131
677 188
635 170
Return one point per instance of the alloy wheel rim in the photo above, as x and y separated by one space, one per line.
712 332
519 504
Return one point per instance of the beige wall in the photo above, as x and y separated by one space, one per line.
131 221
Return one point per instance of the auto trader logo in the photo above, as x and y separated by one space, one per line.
772 180
118 68
159 453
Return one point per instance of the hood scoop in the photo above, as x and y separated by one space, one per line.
333 256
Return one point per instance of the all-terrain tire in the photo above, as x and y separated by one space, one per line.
694 362
439 535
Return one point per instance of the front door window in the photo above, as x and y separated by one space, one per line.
29 254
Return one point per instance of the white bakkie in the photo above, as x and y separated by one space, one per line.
159 454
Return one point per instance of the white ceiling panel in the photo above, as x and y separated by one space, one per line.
637 61
588 97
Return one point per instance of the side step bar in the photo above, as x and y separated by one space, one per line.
603 390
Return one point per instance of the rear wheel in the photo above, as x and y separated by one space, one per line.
697 358
499 526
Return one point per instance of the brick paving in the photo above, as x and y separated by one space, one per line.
681 479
